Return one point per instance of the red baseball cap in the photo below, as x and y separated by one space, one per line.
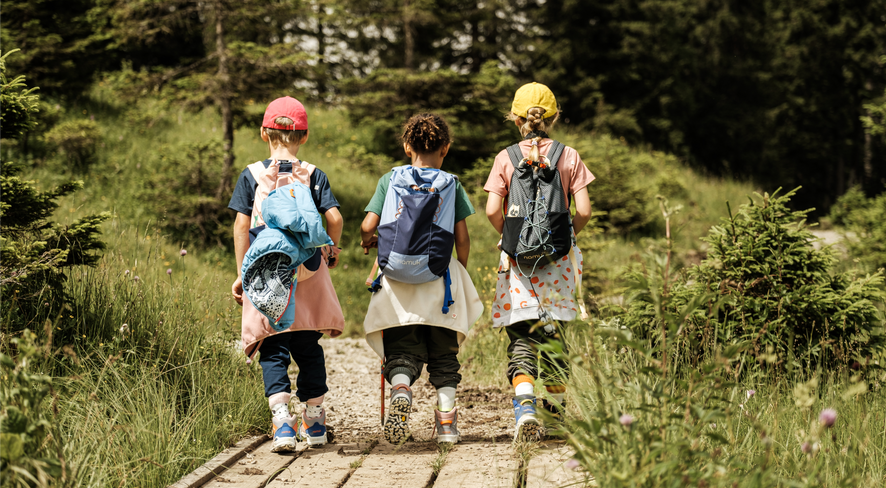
286 107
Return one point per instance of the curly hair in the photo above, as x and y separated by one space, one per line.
426 133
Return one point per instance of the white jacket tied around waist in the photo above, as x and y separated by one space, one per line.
397 304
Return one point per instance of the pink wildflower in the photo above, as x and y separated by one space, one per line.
827 417
626 420
183 252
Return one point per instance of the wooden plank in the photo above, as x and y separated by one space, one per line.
219 463
479 465
389 466
255 469
546 468
325 467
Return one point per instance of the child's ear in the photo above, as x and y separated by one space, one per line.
305 138
445 150
407 150
264 134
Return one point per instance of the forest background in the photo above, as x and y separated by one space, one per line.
117 329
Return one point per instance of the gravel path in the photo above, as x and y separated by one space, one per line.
353 401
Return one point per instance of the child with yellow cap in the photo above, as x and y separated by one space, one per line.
531 187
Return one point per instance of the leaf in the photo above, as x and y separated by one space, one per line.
12 446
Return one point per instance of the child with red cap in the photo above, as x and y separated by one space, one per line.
285 129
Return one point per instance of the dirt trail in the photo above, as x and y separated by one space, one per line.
353 401
360 457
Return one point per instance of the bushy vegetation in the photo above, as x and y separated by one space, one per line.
182 193
473 105
77 141
864 223
764 284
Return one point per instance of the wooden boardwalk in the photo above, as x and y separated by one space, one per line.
251 464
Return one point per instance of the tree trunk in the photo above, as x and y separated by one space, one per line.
224 103
408 35
321 51
868 152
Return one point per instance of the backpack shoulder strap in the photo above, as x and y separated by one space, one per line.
256 168
554 153
309 167
516 155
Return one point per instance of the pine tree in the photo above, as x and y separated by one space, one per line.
245 57
34 251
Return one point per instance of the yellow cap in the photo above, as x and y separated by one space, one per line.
534 95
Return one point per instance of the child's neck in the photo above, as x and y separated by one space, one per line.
284 152
431 160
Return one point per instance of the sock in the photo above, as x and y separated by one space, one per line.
401 379
314 407
556 392
445 399
279 404
280 411
523 385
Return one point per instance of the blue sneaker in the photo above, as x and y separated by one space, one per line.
313 429
528 427
284 434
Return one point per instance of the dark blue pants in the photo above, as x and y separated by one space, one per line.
275 352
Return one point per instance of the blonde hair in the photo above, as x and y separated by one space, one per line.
278 136
535 121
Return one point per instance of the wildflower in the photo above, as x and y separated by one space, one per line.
45 304
572 464
183 252
827 417
135 278
169 271
751 393
124 328
806 447
346 266
126 273
626 420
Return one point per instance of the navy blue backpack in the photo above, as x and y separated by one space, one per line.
416 231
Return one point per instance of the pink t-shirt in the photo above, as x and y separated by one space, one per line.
574 175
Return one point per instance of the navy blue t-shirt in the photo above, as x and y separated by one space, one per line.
244 191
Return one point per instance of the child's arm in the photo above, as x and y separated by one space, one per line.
241 244
462 242
334 224
368 239
582 210
494 211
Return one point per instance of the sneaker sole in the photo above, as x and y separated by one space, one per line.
316 441
284 445
396 428
447 438
530 430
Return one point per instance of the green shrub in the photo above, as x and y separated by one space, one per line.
182 194
774 291
864 220
30 441
77 140
34 251
854 199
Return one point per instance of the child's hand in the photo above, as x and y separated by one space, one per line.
332 253
367 245
237 290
